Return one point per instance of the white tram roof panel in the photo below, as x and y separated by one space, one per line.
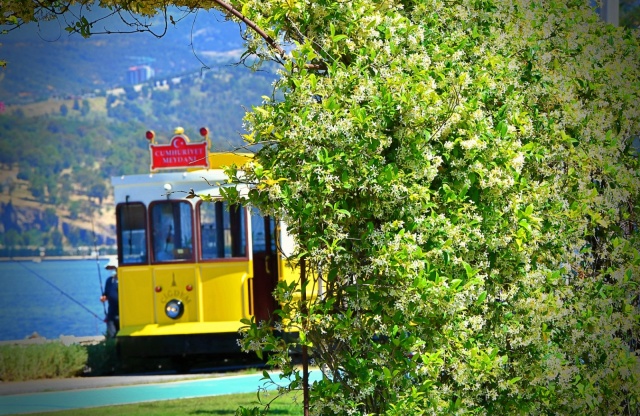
155 186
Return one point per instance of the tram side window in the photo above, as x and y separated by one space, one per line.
172 231
222 230
259 235
132 233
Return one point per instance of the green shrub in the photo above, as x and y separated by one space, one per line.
102 358
50 360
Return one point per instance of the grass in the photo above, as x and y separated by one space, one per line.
52 107
54 360
290 405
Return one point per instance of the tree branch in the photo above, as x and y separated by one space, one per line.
272 43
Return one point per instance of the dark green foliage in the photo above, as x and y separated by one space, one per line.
11 238
102 358
56 239
130 93
86 107
630 13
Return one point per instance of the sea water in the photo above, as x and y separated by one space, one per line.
51 298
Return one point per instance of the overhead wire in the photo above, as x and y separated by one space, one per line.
47 281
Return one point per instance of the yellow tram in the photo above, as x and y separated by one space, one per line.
189 270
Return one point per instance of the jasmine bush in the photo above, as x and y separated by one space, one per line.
462 182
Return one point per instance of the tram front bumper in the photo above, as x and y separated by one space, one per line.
179 339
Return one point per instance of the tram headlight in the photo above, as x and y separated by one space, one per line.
174 309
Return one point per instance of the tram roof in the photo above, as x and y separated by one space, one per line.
176 184
167 185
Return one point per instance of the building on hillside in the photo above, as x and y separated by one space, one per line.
139 74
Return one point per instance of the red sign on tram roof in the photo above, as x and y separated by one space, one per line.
179 154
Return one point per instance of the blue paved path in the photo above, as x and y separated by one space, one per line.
108 396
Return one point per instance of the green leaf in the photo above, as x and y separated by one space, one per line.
514 380
502 128
469 270
529 210
481 298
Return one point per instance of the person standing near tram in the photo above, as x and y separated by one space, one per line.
110 295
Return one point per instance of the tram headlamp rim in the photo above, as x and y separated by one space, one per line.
174 309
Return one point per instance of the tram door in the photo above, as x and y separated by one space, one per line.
265 265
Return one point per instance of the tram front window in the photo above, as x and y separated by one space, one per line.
132 233
222 230
172 231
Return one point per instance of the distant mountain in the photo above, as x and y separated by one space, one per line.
44 60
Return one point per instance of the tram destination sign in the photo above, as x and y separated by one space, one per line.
179 154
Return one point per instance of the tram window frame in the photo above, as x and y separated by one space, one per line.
177 254
121 228
227 250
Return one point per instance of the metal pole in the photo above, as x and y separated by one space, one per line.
95 248
610 11
305 352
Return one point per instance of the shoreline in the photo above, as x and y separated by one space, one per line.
64 339
37 259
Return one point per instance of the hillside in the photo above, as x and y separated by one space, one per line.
58 149
44 61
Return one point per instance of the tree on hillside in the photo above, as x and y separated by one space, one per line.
74 209
630 13
32 238
86 108
56 239
11 238
130 92
49 219
37 187
98 190
461 180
